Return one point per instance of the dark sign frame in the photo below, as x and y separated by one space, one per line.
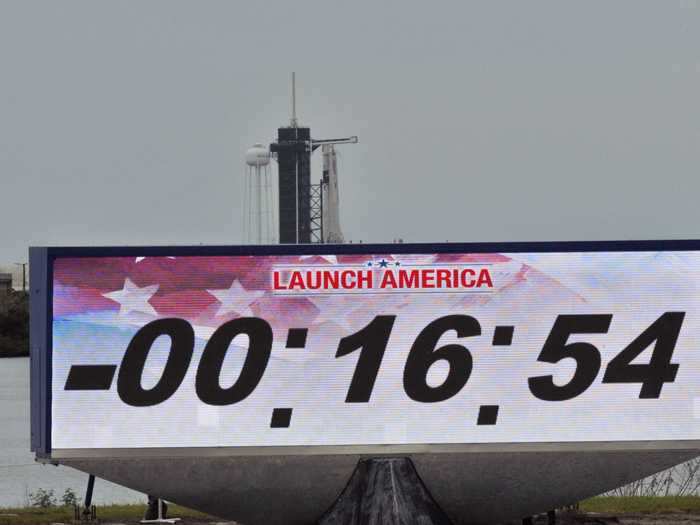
41 261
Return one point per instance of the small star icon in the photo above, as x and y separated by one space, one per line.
369 264
397 263
383 263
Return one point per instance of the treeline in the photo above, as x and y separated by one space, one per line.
14 324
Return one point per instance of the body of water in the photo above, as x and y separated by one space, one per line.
20 475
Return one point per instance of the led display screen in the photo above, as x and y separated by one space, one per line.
374 349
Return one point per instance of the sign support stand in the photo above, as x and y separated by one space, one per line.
385 491
160 518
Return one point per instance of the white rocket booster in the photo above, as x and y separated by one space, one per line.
331 200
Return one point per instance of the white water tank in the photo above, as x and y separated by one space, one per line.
258 155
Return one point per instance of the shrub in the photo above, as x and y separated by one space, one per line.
681 480
14 324
42 498
69 498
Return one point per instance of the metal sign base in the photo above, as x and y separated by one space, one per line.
385 491
160 518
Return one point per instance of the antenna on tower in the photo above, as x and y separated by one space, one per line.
294 101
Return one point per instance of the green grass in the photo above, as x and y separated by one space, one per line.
133 513
642 504
118 513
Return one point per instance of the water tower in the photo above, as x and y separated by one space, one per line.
258 208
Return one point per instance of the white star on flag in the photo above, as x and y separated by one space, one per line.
333 309
328 258
131 298
139 259
236 299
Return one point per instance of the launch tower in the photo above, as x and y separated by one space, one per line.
300 202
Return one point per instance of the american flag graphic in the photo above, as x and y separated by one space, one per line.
208 291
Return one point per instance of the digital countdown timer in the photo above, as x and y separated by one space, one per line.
374 349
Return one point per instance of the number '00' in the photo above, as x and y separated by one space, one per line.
207 383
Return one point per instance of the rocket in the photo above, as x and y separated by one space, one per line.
331 200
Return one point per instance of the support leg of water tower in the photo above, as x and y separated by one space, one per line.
385 491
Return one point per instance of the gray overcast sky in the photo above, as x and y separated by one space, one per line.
126 122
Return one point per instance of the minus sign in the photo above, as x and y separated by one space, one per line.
90 377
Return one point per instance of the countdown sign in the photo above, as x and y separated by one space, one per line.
292 346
